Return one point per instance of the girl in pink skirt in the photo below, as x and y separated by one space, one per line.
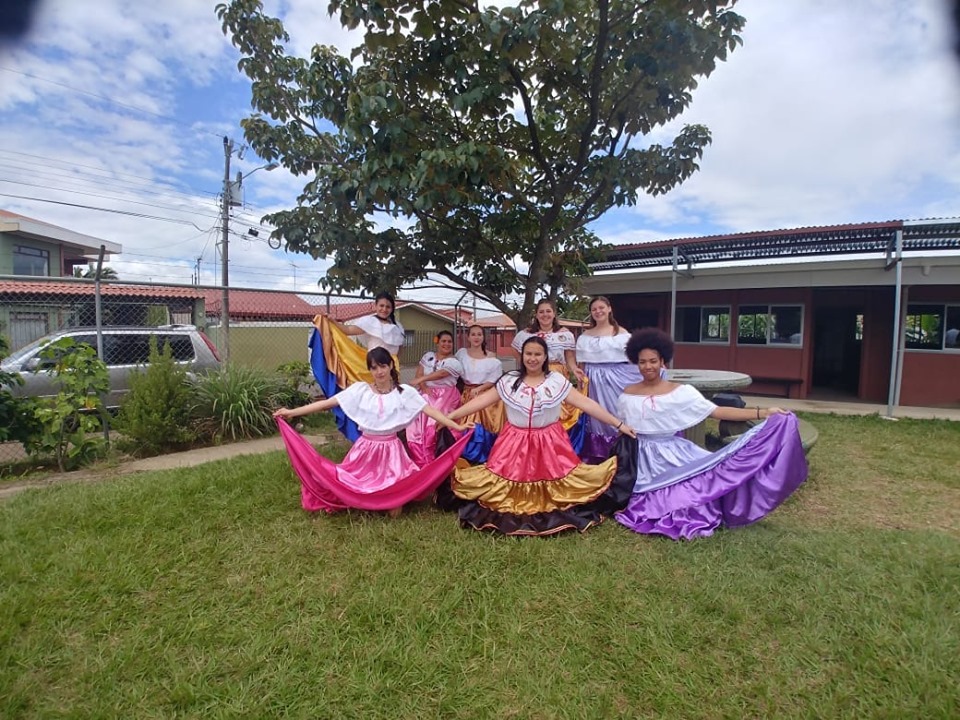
377 473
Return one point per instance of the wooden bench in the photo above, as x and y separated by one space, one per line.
785 382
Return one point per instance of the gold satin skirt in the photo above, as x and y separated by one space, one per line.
492 418
533 471
568 413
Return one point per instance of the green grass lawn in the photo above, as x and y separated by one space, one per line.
208 592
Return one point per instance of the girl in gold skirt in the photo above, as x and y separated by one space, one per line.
533 483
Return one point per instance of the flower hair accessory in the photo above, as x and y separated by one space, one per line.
436 338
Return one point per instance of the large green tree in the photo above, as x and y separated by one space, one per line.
476 144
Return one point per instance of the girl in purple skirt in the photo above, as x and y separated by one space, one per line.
681 490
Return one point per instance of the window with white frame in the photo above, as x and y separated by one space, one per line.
932 327
31 261
770 325
703 324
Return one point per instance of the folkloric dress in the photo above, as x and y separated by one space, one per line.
338 362
377 473
377 333
683 491
489 421
533 482
441 394
557 344
604 360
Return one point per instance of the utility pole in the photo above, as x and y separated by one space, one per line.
225 254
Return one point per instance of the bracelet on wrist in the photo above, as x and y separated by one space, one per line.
758 412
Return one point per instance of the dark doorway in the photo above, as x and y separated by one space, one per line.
837 342
636 318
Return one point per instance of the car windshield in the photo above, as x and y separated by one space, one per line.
20 355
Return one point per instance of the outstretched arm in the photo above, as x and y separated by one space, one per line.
347 329
313 407
481 401
745 414
435 375
432 412
596 410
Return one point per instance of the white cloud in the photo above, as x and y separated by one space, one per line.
829 113
832 112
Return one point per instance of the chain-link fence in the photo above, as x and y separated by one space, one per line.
266 328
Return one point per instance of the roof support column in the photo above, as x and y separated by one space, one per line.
896 357
673 299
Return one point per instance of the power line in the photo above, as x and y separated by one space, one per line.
102 209
111 197
97 168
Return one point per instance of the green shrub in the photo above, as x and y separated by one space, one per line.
236 402
18 422
155 415
70 422
297 379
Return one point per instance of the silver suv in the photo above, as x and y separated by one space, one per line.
125 349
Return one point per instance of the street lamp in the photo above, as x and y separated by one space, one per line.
230 190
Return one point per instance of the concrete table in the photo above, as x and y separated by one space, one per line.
709 382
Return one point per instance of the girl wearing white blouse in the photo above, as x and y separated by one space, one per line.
561 350
338 362
601 352
533 483
376 473
480 372
380 329
436 378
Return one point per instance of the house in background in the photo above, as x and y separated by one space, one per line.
29 310
868 311
39 249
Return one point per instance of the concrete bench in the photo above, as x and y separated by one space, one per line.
808 433
785 382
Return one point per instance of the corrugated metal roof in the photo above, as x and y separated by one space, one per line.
863 238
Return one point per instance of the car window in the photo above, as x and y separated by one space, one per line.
134 348
181 347
126 349
90 340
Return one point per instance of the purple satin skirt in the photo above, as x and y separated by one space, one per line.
607 381
683 491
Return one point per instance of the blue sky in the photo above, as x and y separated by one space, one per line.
831 112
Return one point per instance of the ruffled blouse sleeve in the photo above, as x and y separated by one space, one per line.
519 339
381 414
681 408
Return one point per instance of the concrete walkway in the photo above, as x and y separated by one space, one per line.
853 408
171 461
191 458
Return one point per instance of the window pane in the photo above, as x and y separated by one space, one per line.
950 338
30 261
752 325
715 324
688 324
181 348
786 324
924 327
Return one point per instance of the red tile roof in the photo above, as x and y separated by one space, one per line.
83 288
260 305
